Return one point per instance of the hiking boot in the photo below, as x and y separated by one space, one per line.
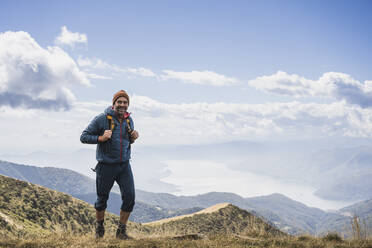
121 233
100 229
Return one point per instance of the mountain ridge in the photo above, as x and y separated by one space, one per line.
224 218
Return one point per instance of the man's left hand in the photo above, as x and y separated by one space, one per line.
134 135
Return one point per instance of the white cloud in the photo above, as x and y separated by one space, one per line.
34 77
337 85
95 63
98 64
96 76
284 84
199 77
143 72
69 38
368 86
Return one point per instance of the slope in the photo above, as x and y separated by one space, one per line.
225 219
27 210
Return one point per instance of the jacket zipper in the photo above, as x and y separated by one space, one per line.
121 146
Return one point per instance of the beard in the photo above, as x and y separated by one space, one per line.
120 110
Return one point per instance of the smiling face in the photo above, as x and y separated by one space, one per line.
121 106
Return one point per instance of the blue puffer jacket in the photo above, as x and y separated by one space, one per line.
114 150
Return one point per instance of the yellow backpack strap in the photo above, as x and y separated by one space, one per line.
129 131
111 122
128 122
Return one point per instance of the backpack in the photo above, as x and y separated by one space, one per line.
111 124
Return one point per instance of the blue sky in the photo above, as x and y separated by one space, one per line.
198 72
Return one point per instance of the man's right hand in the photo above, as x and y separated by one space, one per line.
106 136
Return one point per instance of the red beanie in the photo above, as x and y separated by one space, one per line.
118 94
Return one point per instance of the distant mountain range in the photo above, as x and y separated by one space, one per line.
340 174
349 179
63 180
342 221
288 215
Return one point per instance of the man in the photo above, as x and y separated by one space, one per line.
113 132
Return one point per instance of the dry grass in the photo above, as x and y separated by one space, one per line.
109 241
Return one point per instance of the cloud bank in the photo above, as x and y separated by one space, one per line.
162 123
68 38
34 77
336 85
222 122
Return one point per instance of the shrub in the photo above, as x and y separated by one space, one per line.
332 237
304 238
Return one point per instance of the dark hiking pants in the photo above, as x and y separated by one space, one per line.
106 175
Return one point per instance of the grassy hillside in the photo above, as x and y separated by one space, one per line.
220 219
28 210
